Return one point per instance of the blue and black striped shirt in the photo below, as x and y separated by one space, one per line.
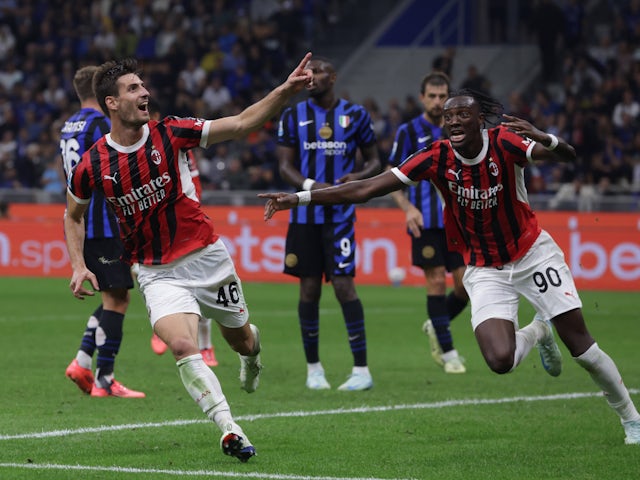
411 137
77 135
326 143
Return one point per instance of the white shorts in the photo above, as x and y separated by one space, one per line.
204 282
542 276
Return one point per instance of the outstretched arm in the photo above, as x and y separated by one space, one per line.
548 147
371 165
254 116
357 191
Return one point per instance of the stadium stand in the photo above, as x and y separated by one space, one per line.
208 58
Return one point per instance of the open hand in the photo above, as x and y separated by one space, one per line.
278 201
522 127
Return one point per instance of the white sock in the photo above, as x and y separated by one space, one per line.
204 387
204 333
526 339
103 381
83 359
605 374
314 367
361 371
450 355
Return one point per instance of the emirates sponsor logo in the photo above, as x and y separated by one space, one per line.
143 197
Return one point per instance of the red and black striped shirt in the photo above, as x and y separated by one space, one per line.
487 213
149 187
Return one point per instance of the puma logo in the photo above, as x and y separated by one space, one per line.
113 178
455 173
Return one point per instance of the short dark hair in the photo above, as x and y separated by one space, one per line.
106 77
83 82
434 78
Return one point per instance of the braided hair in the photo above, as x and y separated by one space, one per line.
491 108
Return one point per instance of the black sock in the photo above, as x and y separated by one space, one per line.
354 320
111 325
455 305
309 318
439 315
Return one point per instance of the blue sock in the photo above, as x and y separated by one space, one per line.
354 320
108 339
439 315
88 343
309 318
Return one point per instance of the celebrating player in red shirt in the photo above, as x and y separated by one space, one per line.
185 272
480 175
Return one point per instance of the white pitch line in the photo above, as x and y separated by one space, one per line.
182 473
338 411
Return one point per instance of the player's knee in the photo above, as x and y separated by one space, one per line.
500 363
182 347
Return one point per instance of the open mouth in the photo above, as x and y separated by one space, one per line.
456 136
144 107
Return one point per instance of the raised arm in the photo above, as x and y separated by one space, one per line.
74 236
357 191
254 116
547 147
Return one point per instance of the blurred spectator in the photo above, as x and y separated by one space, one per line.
9 176
10 75
212 60
518 107
54 94
476 81
7 41
52 179
628 107
548 23
216 97
574 13
239 83
575 194
235 177
444 62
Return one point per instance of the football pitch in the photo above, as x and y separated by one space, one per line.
416 423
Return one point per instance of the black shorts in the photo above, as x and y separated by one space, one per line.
103 258
430 250
315 250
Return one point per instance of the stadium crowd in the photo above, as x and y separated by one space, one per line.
213 58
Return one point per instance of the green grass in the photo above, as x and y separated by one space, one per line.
397 430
